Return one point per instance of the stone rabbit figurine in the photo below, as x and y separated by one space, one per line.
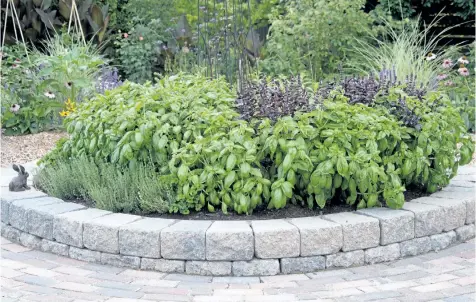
18 183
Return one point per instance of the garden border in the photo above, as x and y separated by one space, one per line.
241 248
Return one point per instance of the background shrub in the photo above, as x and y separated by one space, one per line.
139 50
37 84
313 37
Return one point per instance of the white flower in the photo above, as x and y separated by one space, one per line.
457 157
430 56
50 95
449 172
68 84
14 108
463 60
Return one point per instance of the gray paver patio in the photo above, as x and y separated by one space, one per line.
28 275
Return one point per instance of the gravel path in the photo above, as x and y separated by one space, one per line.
30 275
25 148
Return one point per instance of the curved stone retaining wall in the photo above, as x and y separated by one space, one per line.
240 248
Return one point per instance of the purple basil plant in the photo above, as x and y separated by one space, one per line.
108 79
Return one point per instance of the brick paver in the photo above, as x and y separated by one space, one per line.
29 275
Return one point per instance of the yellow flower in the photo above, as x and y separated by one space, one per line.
70 106
64 113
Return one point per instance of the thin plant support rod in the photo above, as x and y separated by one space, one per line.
74 17
11 6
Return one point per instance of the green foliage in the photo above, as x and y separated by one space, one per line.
25 108
313 36
460 87
42 19
260 11
139 51
134 12
408 52
409 9
69 68
40 84
107 186
188 127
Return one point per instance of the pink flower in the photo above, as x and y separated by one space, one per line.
447 63
448 83
463 71
141 38
441 76
15 65
126 35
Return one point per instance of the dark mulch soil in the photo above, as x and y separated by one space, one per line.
290 211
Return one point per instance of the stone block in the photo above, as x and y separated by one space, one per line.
465 177
470 211
415 246
318 236
163 265
30 241
360 232
382 253
301 265
256 267
18 210
142 237
11 233
458 193
120 260
442 241
40 219
229 240
429 219
7 197
68 227
102 233
346 259
461 183
54 247
84 254
465 233
184 240
467 170
275 238
395 225
208 268
454 211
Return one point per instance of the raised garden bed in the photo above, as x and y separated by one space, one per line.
242 248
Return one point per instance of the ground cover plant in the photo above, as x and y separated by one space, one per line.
121 190
312 148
